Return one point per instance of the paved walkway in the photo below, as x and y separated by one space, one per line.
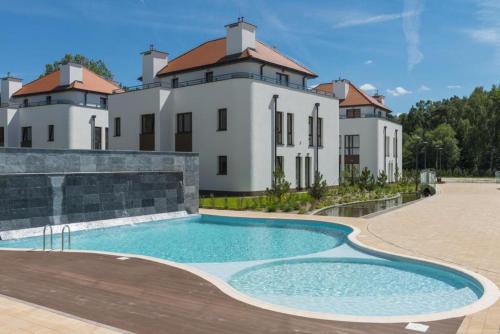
460 225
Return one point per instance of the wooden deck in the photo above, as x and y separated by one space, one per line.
147 297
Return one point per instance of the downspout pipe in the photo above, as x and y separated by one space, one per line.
275 98
317 139
385 150
92 132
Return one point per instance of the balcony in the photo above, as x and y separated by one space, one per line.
53 102
223 77
372 116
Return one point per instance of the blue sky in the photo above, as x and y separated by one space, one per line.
407 49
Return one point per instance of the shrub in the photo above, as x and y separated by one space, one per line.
382 179
319 187
280 186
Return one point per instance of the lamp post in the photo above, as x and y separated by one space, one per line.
417 150
437 155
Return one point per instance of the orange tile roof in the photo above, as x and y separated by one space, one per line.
355 97
51 83
214 53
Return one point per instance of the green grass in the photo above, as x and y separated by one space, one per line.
301 202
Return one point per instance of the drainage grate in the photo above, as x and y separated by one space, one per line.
413 326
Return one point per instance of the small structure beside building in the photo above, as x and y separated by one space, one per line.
368 137
66 109
41 187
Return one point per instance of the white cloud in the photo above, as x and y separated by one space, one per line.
424 88
488 36
368 87
453 86
360 20
369 62
398 91
411 26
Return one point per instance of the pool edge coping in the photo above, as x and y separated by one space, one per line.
491 293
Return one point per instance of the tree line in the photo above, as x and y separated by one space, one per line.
460 136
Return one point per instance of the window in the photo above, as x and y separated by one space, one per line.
222 165
104 102
97 138
279 128
222 119
280 163
48 99
2 137
311 124
118 127
320 132
282 79
184 123
148 124
289 129
175 82
387 146
26 102
351 145
106 138
353 113
26 136
209 76
51 132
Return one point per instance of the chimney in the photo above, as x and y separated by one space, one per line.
239 37
379 98
340 88
69 73
152 62
9 86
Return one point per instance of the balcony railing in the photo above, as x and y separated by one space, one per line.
222 77
370 116
48 103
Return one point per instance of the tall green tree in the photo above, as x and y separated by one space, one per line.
466 128
96 66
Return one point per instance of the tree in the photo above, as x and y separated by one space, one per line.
381 179
365 179
96 66
319 187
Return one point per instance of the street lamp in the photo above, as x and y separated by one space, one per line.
437 155
417 150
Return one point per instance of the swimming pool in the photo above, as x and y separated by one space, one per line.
300 265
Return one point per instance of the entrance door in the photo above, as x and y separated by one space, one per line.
298 172
147 136
184 134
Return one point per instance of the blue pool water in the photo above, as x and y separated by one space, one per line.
299 264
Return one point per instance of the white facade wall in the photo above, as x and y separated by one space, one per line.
371 152
247 143
72 128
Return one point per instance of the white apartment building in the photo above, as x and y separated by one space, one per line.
66 109
242 105
368 138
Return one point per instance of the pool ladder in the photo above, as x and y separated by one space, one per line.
52 237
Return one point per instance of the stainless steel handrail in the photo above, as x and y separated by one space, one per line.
62 237
51 236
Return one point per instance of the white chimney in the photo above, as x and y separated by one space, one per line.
379 98
9 86
239 37
70 73
152 62
340 88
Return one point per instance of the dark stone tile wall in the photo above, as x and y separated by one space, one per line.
39 187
